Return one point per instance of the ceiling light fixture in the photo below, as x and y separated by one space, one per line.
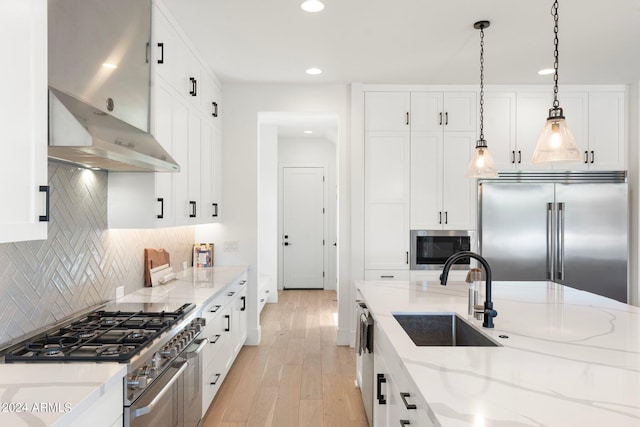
308 131
312 6
556 143
481 164
314 71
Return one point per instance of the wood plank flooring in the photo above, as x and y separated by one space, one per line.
297 376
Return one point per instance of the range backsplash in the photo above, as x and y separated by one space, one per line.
82 262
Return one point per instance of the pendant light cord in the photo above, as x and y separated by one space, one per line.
554 13
482 84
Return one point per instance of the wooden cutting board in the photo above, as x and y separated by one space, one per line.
153 258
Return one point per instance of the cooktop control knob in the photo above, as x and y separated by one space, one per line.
155 360
169 352
148 371
137 382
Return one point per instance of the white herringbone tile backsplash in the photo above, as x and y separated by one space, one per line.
82 262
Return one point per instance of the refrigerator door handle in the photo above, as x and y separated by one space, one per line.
560 262
550 251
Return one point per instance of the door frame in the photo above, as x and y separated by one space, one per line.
325 218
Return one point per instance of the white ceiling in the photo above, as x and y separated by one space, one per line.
414 41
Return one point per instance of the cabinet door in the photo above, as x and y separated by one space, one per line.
532 110
606 130
163 47
500 128
575 106
181 155
460 111
23 118
162 129
458 191
206 170
194 176
427 111
387 200
426 180
386 111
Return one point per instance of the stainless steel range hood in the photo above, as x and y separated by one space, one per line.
99 86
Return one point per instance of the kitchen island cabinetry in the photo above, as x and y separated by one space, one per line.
562 353
24 192
186 120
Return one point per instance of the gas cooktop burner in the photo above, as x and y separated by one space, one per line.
102 335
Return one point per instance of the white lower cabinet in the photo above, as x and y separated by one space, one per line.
387 275
396 400
226 331
104 412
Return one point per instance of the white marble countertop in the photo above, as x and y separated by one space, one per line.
38 394
572 358
69 388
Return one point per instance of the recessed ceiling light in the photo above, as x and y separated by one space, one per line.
546 71
314 71
110 65
312 6
308 131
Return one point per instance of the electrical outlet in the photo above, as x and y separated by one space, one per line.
119 291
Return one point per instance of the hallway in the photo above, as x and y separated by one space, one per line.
297 376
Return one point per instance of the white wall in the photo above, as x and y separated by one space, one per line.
242 104
268 242
316 152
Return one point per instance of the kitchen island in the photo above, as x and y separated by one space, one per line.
565 357
82 394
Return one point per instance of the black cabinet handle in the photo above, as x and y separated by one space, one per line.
161 200
242 282
380 396
261 299
513 157
161 60
404 423
407 122
215 109
193 209
446 217
45 217
407 257
215 310
267 291
230 294
593 157
446 118
228 319
440 119
215 209
216 381
387 277
519 156
439 217
407 405
244 303
586 157
217 337
194 86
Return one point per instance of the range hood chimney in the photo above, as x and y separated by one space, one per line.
99 86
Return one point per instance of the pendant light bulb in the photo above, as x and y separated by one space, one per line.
556 142
481 164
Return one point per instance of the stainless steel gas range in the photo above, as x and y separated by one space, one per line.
158 342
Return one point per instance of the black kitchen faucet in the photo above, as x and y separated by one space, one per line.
489 312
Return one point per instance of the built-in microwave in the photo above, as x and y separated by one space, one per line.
431 248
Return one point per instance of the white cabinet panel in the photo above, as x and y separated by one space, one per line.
575 106
386 236
445 111
193 165
426 180
427 111
500 128
460 111
23 118
607 131
531 114
458 191
386 111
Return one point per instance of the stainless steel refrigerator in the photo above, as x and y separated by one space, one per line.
571 228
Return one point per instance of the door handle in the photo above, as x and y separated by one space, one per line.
550 254
244 303
161 200
513 157
586 157
193 209
407 122
519 156
446 118
440 217
593 157
214 209
228 319
440 119
407 257
407 405
161 59
215 109
560 262
194 86
446 217
47 194
380 396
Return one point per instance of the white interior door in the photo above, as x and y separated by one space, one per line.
303 228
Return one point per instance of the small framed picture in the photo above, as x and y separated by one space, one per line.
203 255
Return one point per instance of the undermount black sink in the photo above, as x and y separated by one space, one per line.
442 329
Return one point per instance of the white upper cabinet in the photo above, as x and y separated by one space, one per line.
500 128
607 131
532 110
387 111
23 117
444 111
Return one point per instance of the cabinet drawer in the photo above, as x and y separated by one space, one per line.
387 275
213 375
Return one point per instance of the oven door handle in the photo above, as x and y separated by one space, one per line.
196 352
147 409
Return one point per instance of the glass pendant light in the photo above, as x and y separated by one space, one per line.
482 164
556 143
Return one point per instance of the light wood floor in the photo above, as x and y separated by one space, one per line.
297 376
